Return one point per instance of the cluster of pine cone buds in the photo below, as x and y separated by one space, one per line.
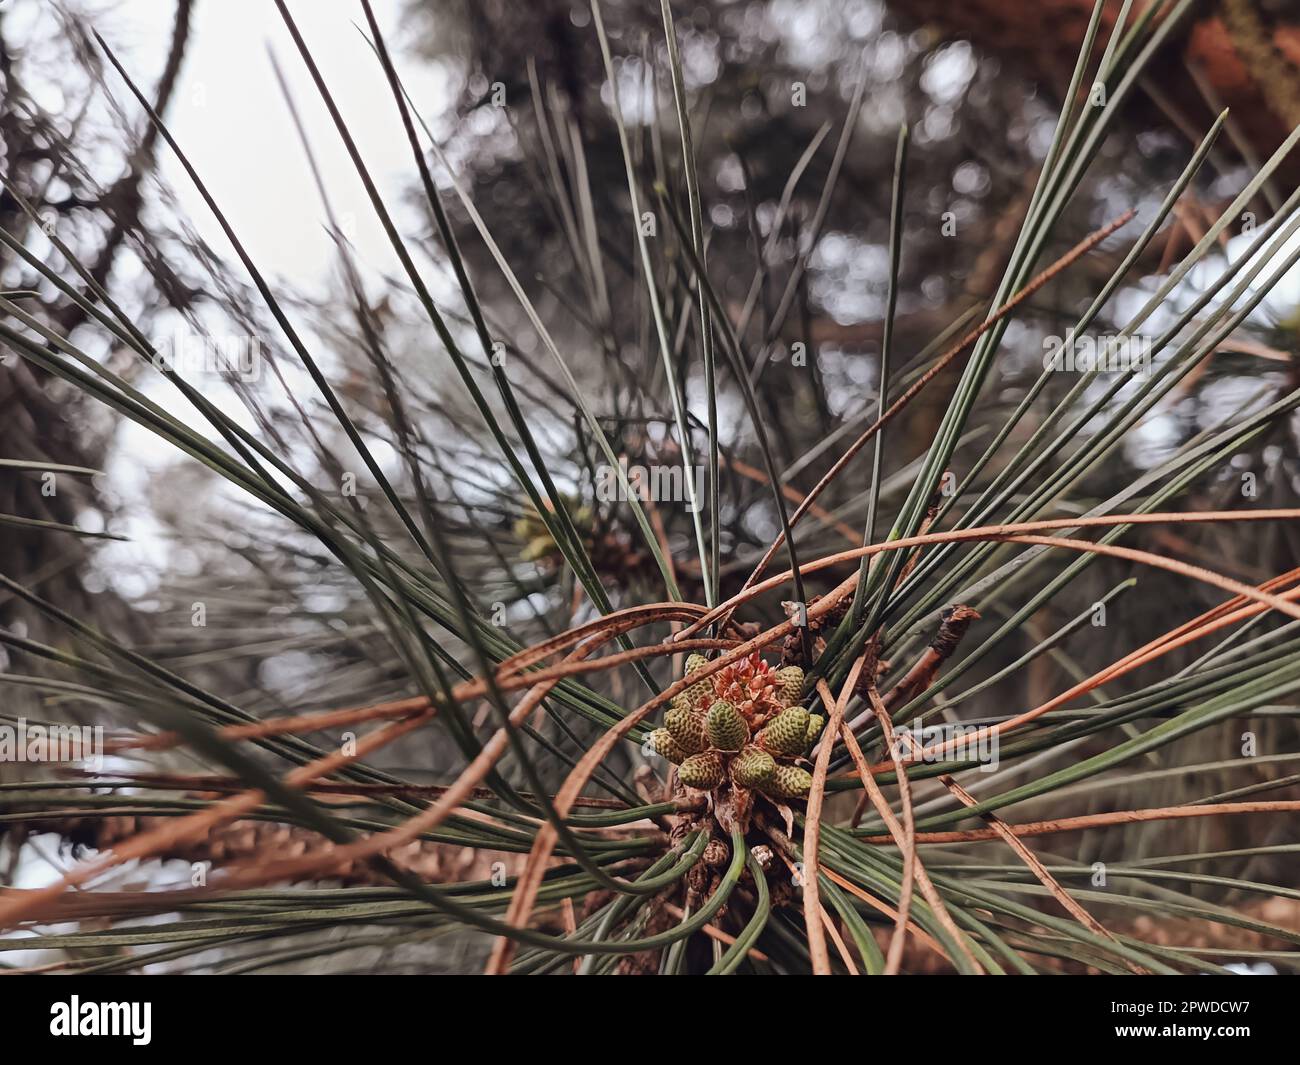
743 724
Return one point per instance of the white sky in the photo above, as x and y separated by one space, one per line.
231 119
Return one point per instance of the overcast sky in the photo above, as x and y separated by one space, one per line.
230 117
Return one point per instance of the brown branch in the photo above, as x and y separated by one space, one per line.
249 841
1037 868
898 836
1118 817
813 817
341 790
908 845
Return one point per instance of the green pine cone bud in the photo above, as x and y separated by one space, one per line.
785 734
702 771
791 690
697 693
815 725
693 696
788 782
661 740
687 728
727 729
694 663
753 768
